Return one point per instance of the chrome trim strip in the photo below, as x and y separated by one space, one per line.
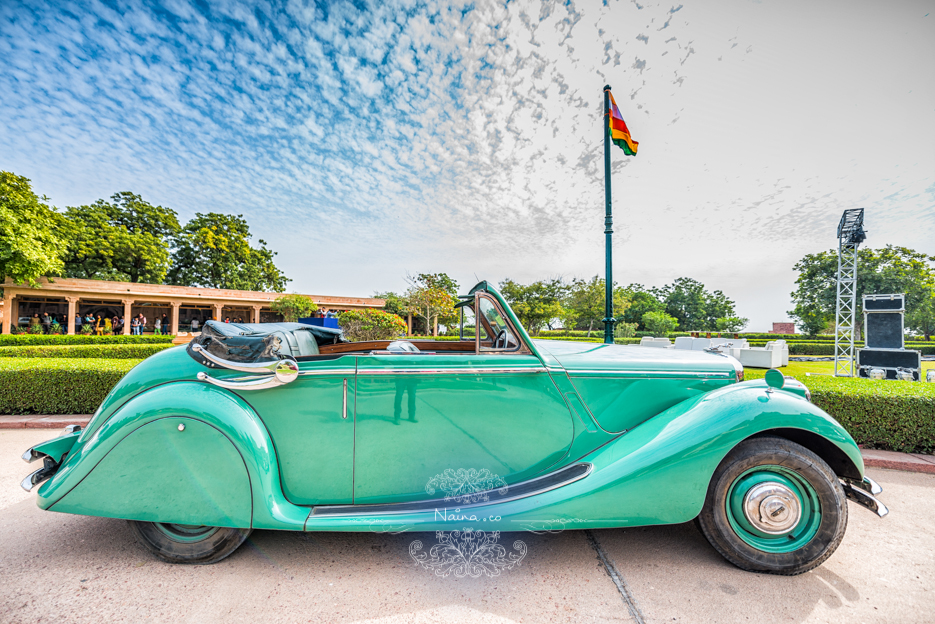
361 510
633 373
449 371
327 371
253 367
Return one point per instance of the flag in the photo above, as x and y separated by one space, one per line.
619 133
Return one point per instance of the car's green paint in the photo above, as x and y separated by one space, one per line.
295 453
313 441
793 539
420 415
161 473
56 448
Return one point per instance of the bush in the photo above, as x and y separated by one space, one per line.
107 351
57 386
15 340
359 325
888 415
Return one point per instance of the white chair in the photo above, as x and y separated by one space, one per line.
782 347
665 343
759 357
683 342
700 344
646 341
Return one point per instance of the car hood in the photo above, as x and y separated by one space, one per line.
589 356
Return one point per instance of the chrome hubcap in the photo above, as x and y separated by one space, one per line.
772 508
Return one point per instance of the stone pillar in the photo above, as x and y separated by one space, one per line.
8 313
72 310
175 318
409 333
256 314
127 313
218 309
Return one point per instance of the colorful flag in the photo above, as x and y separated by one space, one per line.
619 133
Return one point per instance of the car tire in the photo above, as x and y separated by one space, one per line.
774 506
180 543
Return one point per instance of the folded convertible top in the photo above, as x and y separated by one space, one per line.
260 342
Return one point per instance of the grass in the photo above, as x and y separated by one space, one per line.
799 370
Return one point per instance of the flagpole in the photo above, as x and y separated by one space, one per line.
609 320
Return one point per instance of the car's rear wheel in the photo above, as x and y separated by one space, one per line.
186 543
774 506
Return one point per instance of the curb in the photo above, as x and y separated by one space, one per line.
907 462
49 421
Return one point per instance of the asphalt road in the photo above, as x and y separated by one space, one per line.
63 568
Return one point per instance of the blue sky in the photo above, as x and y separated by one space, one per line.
364 141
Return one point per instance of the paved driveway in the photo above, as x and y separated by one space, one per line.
63 568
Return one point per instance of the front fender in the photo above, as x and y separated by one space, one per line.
223 431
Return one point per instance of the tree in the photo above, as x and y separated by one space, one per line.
537 304
126 239
641 302
31 244
360 325
585 303
731 324
692 305
293 307
921 317
659 323
213 250
432 296
394 304
879 271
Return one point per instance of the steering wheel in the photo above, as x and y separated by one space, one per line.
501 335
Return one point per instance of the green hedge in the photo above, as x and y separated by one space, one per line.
16 340
888 415
109 351
57 386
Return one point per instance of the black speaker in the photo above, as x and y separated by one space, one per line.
883 321
884 330
889 361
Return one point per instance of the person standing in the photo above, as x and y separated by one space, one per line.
135 326
46 322
165 324
157 326
194 325
78 322
99 325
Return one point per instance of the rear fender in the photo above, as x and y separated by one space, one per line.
204 408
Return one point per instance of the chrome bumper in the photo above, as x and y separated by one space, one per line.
862 493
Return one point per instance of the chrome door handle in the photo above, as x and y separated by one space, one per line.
344 409
286 371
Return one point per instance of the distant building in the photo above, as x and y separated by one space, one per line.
66 297
783 328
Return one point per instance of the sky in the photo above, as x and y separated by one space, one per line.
367 141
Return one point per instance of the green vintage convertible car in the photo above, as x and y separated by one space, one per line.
289 426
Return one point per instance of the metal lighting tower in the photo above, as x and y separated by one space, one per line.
850 236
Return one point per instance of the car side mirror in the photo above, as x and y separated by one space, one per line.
775 379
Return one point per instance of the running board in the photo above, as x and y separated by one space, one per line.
525 489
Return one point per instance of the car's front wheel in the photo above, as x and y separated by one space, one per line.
186 543
774 506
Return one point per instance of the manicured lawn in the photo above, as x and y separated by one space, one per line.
799 370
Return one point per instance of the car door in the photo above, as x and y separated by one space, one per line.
311 423
421 414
